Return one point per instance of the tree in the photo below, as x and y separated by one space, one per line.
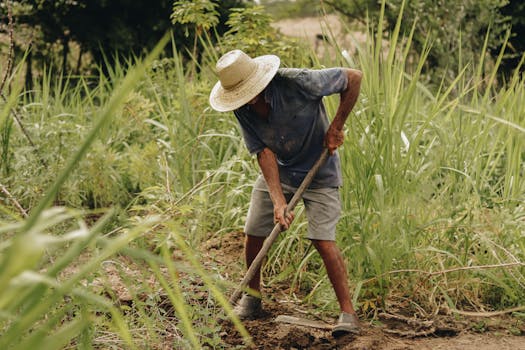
515 9
46 17
112 28
247 27
201 15
107 29
118 28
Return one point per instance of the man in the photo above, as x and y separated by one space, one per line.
284 122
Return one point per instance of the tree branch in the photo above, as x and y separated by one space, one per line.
10 68
11 45
489 313
13 199
19 122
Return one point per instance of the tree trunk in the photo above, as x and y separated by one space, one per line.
65 52
29 70
79 60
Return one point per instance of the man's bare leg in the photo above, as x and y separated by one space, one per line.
336 270
252 246
250 305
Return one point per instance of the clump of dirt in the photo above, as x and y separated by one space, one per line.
226 249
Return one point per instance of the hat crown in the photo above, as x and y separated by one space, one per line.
235 67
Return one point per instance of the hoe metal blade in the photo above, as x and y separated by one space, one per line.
303 322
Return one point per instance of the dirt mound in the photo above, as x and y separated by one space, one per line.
226 249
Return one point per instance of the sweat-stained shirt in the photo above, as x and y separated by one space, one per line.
297 124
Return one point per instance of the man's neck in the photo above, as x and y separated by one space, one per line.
261 108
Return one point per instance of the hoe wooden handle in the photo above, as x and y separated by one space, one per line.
277 228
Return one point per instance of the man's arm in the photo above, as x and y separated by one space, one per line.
270 170
335 136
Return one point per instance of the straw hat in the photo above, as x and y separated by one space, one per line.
241 78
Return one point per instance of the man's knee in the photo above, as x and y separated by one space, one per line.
254 241
323 245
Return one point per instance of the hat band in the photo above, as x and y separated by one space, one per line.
242 81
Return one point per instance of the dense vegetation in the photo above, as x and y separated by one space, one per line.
124 175
75 36
445 21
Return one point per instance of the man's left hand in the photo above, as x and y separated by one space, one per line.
333 139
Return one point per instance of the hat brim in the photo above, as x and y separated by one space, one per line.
225 100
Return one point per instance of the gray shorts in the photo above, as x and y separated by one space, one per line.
322 205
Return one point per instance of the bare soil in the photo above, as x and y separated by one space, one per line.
389 331
318 30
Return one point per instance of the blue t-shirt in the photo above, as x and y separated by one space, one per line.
297 124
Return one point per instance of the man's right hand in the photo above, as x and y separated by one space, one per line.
268 163
283 217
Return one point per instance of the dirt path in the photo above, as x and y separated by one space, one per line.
318 30
443 333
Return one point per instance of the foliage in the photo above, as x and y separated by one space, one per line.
202 13
124 27
515 9
429 185
251 31
5 136
248 28
103 30
54 288
454 27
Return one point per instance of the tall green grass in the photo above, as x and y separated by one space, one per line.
434 181
33 312
55 288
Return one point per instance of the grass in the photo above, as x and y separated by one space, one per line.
430 185
37 249
433 215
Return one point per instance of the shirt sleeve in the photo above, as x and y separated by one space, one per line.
253 143
322 82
